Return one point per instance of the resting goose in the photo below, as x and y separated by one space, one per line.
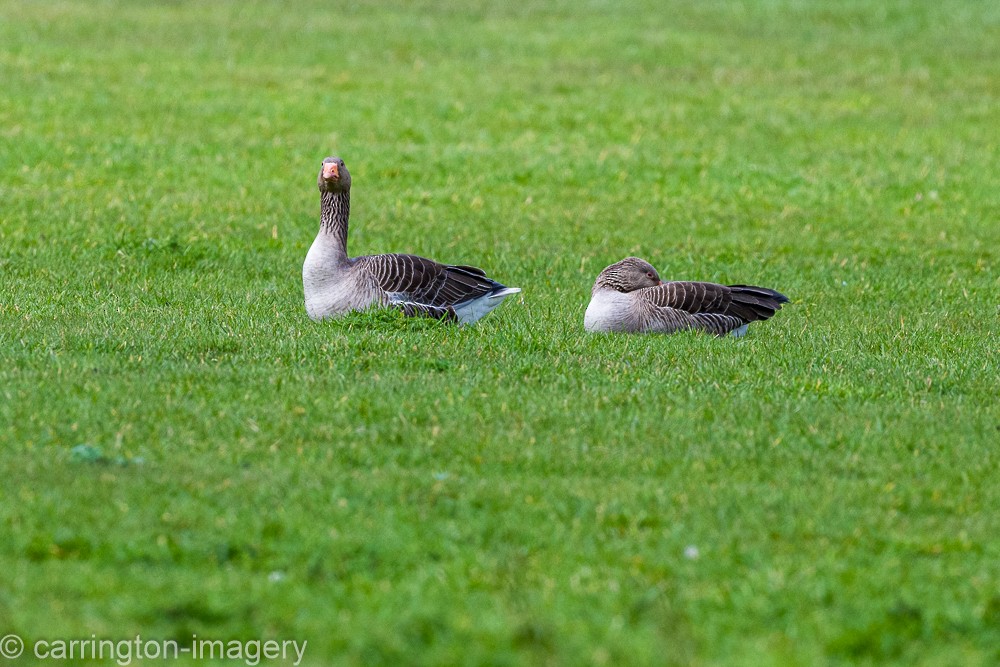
629 296
335 284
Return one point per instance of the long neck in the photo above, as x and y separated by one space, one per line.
335 210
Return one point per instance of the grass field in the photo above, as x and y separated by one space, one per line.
184 452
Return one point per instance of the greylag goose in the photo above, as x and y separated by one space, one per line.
335 284
629 296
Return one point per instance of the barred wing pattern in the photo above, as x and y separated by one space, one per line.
424 282
715 309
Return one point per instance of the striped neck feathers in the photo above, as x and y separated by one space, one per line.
615 280
335 210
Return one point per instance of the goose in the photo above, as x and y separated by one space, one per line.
629 296
335 284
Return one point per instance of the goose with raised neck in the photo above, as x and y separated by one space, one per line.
335 283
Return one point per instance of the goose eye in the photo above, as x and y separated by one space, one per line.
649 274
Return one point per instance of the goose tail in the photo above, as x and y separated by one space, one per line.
475 309
751 303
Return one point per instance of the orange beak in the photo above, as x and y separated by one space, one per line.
331 171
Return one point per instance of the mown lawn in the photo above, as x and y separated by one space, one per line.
184 452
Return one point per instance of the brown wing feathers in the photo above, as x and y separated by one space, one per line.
692 297
718 308
425 281
717 323
751 303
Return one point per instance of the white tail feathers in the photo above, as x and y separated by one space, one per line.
475 309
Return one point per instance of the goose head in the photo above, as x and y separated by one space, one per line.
333 176
628 275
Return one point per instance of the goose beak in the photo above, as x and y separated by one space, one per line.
331 172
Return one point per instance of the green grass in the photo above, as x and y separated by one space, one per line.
402 492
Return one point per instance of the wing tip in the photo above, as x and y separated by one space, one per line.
765 292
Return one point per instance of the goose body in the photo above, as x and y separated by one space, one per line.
629 297
335 284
